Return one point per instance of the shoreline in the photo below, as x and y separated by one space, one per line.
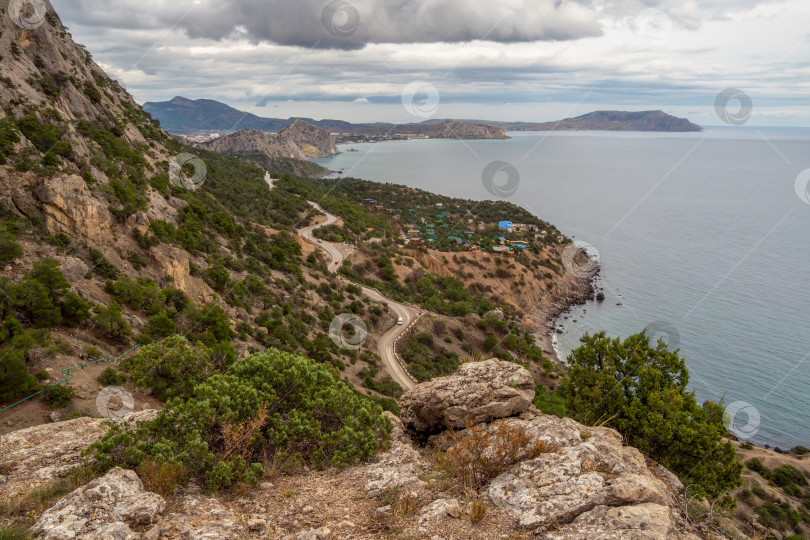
547 334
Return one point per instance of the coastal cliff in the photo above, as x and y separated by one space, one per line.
456 129
299 141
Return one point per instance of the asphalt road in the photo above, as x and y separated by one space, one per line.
409 314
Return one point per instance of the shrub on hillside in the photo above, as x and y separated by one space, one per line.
110 377
171 367
14 376
102 266
58 396
269 404
9 248
111 320
641 390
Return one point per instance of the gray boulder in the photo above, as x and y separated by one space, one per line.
105 508
478 392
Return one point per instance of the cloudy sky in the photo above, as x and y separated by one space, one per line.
531 60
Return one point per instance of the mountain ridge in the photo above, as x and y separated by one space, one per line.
185 116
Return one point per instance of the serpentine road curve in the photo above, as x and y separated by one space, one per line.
409 314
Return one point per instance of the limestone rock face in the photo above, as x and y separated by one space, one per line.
105 508
70 209
255 141
396 468
138 220
301 140
74 269
594 484
645 521
477 392
314 141
38 455
175 263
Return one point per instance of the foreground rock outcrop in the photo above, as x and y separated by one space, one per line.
34 457
478 392
589 477
584 484
107 507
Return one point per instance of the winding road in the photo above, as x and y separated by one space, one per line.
391 363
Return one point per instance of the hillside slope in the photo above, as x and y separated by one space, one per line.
154 238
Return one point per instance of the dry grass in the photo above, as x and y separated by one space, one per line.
402 506
406 506
162 478
478 511
478 455
239 439
24 511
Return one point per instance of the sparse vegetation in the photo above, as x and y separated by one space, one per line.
292 405
58 396
110 377
641 390
480 453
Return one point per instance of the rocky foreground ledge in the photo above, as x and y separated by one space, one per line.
585 485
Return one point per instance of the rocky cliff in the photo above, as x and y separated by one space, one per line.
299 141
314 141
457 129
46 74
251 141
582 482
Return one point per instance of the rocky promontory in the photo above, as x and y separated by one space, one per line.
300 141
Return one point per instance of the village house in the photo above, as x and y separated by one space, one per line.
505 226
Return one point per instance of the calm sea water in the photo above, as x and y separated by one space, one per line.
702 233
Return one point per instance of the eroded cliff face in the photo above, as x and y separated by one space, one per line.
70 209
45 73
457 129
584 484
254 141
314 141
300 141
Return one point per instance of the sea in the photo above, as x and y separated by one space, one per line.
702 238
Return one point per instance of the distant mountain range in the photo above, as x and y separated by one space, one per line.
183 116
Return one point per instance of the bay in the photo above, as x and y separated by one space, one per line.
701 234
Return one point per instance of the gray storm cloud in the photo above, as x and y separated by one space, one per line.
349 24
